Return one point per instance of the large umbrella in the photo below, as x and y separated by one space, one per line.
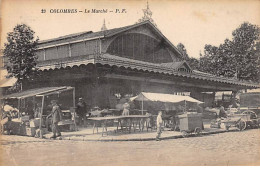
166 98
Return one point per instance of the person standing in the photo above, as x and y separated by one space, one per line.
222 112
56 118
199 109
81 111
126 108
159 125
37 111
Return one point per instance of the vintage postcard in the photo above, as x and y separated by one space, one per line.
130 83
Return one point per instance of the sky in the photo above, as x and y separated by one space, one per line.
193 23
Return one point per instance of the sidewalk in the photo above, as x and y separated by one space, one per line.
86 134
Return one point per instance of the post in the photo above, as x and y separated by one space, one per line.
41 117
19 105
100 47
74 108
142 105
184 106
214 100
233 98
34 106
69 50
74 102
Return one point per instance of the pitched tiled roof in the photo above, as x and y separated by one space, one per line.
80 36
112 60
101 34
176 65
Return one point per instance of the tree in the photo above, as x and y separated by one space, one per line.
237 58
20 50
183 51
209 60
244 51
193 62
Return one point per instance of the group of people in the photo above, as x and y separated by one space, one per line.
81 110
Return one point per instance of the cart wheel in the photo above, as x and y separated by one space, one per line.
241 125
227 127
184 134
258 123
197 131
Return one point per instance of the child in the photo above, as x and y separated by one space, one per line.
159 125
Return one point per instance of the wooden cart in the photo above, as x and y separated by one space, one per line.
190 123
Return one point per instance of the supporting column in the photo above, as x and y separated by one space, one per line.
214 96
233 98
41 117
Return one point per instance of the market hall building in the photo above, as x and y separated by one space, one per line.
109 65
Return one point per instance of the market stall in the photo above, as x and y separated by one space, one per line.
33 109
167 98
188 121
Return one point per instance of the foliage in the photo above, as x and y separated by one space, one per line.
20 50
193 62
237 58
183 51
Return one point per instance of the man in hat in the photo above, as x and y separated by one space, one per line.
56 118
81 111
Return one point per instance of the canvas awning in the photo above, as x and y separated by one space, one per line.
159 97
37 92
4 80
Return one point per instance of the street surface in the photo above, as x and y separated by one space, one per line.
231 148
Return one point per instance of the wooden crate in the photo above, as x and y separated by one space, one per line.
17 128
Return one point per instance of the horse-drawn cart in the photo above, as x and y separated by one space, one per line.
237 120
242 121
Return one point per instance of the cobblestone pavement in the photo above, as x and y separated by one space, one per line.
230 148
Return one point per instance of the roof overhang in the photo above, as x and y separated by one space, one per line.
6 81
135 65
37 92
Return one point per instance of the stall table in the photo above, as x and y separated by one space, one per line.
131 120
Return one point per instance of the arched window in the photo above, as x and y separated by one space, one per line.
140 47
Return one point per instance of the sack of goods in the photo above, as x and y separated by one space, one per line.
30 131
35 122
4 121
24 118
38 131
